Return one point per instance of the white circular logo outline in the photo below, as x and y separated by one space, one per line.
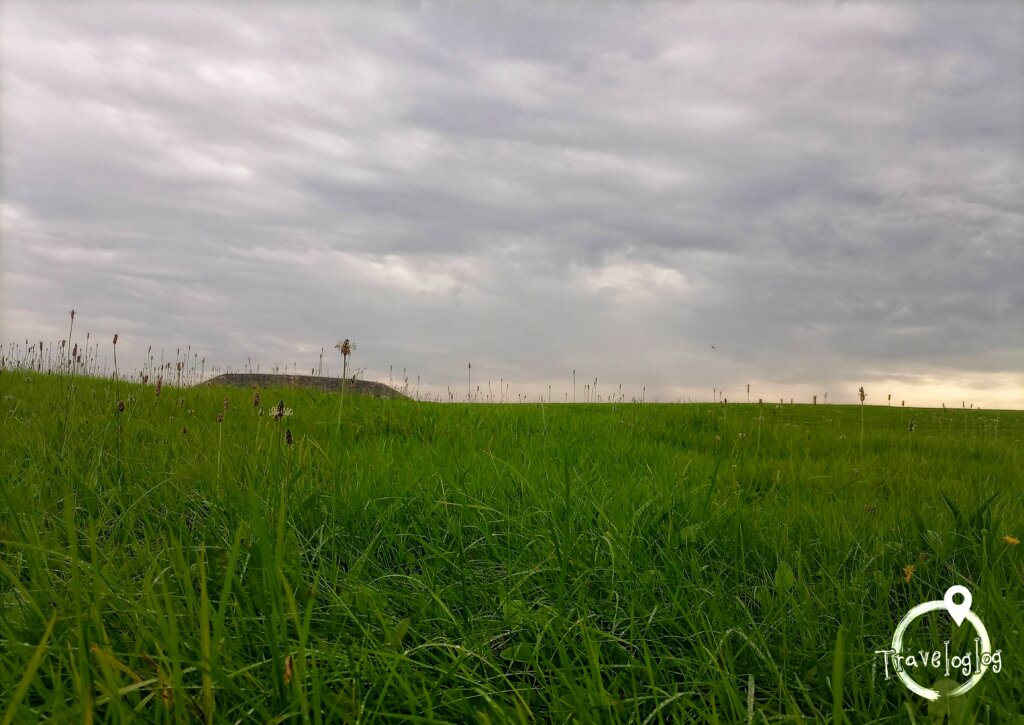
959 613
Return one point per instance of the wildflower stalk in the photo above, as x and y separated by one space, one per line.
345 347
760 419
67 347
120 441
71 387
220 440
117 378
862 396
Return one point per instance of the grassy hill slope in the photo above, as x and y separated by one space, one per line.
516 563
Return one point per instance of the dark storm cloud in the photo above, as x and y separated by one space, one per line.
829 194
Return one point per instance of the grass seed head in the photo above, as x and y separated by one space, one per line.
862 395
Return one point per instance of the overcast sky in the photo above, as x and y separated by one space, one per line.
830 195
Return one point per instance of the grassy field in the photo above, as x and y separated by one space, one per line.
491 563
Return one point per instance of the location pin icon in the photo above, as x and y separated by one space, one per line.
958 611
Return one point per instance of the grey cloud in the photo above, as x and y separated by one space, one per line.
826 193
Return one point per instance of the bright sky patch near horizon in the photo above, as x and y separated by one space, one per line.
831 195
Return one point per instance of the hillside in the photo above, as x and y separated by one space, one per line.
311 382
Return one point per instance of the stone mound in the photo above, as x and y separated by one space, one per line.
310 382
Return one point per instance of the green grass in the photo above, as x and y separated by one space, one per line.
460 563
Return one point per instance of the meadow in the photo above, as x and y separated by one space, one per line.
196 557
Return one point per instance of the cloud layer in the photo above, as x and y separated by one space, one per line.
831 195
